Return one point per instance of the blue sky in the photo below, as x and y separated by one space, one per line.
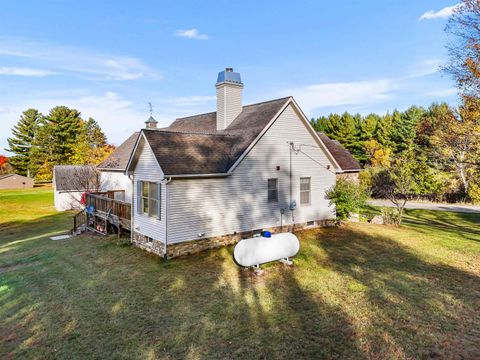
109 58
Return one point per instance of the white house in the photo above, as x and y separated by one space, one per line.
211 179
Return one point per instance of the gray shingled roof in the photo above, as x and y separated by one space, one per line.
343 157
9 175
193 146
118 159
75 177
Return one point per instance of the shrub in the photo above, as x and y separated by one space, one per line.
347 197
391 216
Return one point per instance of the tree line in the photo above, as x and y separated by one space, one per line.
39 142
429 152
441 144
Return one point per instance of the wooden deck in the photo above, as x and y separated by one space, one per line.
104 213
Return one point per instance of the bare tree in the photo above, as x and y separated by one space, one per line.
464 47
77 179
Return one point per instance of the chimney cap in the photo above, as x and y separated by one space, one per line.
229 76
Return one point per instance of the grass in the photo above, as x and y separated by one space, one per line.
360 291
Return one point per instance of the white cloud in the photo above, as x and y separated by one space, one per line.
68 59
23 71
426 67
342 93
191 34
440 14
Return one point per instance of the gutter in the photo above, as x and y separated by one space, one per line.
132 208
188 176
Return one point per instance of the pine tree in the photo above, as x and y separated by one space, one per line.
404 126
65 126
384 131
91 146
56 139
22 140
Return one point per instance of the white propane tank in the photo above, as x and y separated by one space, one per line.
260 250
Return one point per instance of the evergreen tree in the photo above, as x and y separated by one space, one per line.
368 127
91 146
320 124
62 127
22 140
404 126
384 131
56 139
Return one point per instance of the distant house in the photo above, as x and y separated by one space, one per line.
350 167
112 170
211 179
15 181
70 182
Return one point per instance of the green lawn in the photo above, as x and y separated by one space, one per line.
360 291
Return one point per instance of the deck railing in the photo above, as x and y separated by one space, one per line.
79 220
105 203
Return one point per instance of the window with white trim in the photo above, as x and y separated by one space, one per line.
305 190
272 190
148 198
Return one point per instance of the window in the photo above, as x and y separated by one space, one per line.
304 191
272 190
148 198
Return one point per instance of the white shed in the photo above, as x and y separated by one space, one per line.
70 182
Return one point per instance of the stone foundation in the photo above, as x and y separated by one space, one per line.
154 246
196 246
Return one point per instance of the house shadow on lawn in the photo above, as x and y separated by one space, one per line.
95 299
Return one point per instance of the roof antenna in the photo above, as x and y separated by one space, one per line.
150 108
151 122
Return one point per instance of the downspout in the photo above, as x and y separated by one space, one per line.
132 209
167 181
291 147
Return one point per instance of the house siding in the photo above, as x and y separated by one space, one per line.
67 200
229 104
202 208
116 180
147 169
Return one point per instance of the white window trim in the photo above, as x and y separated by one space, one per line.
309 191
276 191
141 199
